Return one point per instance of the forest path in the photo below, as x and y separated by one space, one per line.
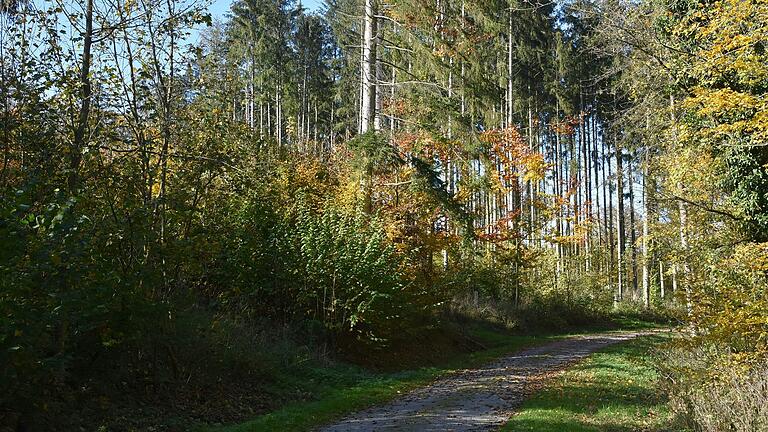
477 399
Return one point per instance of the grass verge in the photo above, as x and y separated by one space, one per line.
612 390
336 390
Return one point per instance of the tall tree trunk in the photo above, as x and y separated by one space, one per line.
278 117
620 236
463 90
587 180
646 233
252 95
595 166
369 68
574 189
558 210
81 127
303 123
632 228
392 102
683 213
674 279
369 99
361 82
510 88
608 202
531 187
331 131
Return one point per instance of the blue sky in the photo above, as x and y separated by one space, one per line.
220 7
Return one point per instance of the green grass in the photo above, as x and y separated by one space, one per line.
334 391
612 390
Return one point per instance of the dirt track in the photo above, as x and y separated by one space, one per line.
477 399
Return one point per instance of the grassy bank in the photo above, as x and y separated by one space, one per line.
612 390
332 390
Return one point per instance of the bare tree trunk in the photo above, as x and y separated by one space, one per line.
608 204
632 228
646 249
4 94
674 279
510 89
683 212
81 127
368 102
392 102
620 217
463 90
261 107
575 189
331 132
595 165
278 117
587 180
252 93
369 69
559 194
530 184
684 246
303 123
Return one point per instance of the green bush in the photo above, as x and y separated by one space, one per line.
349 272
716 372
63 301
300 264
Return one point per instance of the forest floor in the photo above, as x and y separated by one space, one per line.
481 399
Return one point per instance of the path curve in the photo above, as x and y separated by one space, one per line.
477 399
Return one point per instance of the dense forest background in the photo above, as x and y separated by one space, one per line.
172 208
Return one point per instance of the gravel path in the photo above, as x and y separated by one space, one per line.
478 399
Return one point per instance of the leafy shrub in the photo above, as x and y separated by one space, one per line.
63 302
731 302
348 270
711 392
737 402
297 263
716 374
657 313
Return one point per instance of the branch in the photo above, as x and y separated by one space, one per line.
707 208
396 184
174 155
384 17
